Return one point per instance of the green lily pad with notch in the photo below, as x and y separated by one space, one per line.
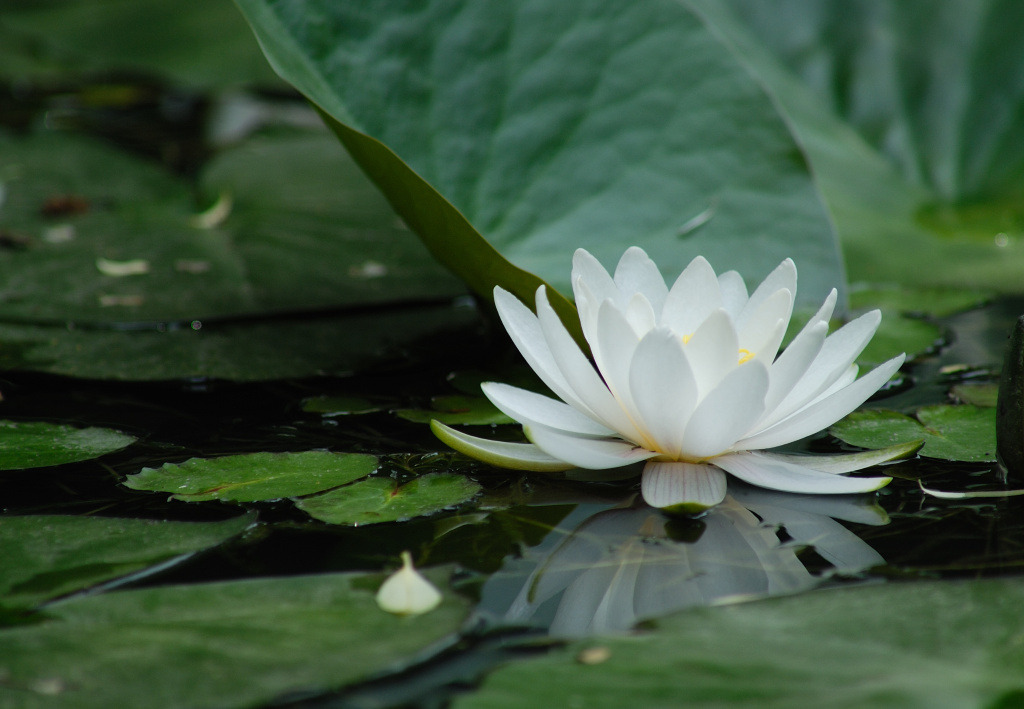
384 500
457 409
227 645
964 432
254 476
36 444
46 556
923 644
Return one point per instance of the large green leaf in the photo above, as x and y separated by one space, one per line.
547 127
232 644
254 476
36 444
45 556
898 226
937 86
911 645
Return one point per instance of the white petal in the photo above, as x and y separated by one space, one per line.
588 269
848 462
762 471
613 350
640 314
592 453
713 351
734 293
762 331
837 353
693 297
637 273
593 395
663 388
861 509
682 487
727 412
782 278
501 454
825 412
530 407
524 329
792 364
406 592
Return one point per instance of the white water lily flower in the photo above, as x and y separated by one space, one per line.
407 592
689 379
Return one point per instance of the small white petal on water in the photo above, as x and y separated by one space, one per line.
118 269
406 592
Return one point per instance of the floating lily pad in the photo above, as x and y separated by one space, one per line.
965 432
233 644
254 476
241 350
384 500
950 644
457 409
35 444
976 394
45 556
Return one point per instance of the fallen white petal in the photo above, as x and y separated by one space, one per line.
407 592
119 269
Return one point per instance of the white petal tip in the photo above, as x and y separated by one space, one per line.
407 592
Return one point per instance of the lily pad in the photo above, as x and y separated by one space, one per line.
827 648
231 644
897 334
457 409
36 444
384 500
241 350
133 251
976 394
936 302
548 128
964 432
254 476
46 556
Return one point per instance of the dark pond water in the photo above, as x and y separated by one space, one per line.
534 551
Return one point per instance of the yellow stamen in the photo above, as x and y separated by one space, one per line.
686 338
746 355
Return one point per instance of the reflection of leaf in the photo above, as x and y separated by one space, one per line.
229 644
956 643
254 476
32 444
383 500
44 556
963 432
547 128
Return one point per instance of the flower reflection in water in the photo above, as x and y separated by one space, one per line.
625 564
